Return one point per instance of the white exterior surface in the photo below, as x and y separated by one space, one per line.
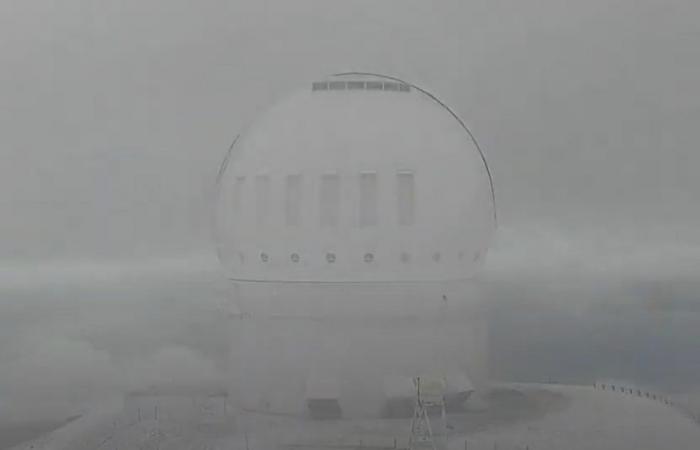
273 359
366 199
406 197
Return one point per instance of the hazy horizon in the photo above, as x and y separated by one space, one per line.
115 117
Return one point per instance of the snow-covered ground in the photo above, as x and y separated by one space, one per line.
507 417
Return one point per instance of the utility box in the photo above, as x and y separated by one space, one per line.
323 398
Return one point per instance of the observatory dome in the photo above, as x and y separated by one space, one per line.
355 178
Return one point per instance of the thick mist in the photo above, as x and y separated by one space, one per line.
115 117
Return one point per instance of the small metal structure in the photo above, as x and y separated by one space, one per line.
430 398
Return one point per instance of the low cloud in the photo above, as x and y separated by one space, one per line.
540 250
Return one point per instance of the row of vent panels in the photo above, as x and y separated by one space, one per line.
391 86
329 199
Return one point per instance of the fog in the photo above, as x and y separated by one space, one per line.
115 117
68 346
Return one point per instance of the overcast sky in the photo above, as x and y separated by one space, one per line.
115 115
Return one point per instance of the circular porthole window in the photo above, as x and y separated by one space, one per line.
295 257
330 258
369 257
264 257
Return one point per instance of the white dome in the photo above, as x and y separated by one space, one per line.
355 178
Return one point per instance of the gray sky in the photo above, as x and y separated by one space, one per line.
115 115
